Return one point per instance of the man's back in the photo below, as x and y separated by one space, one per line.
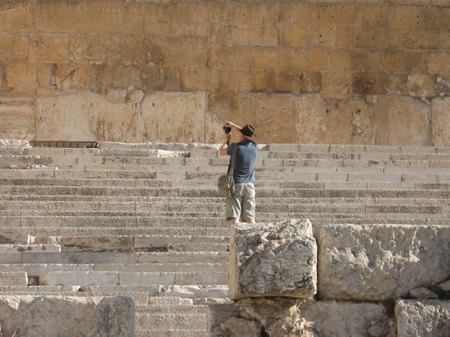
246 154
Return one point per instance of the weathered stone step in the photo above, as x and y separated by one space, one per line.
218 222
300 190
328 205
139 298
83 278
288 210
111 231
354 148
138 243
265 179
37 269
13 279
172 308
164 322
198 293
34 248
172 333
114 257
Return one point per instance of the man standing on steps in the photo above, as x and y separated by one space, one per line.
242 205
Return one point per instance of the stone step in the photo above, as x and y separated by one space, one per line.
419 161
198 293
64 222
265 179
140 298
172 333
114 257
18 278
28 249
164 322
327 205
111 231
12 236
38 269
305 190
85 278
292 211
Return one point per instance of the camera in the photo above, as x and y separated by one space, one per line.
227 128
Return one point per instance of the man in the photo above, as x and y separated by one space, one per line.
242 205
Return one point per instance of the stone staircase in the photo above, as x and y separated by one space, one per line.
146 220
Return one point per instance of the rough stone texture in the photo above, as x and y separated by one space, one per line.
322 319
61 316
124 51
275 316
273 259
379 262
296 318
429 318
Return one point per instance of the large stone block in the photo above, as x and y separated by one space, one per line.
67 316
14 48
49 48
172 117
440 112
273 259
334 121
85 116
17 16
429 318
114 17
66 16
402 121
276 116
380 262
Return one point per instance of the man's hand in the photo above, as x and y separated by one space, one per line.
223 149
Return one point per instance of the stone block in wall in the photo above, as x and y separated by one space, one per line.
17 117
424 318
273 259
57 16
114 17
18 16
20 78
172 117
33 316
324 318
380 262
334 121
14 48
84 116
402 121
440 114
272 115
49 48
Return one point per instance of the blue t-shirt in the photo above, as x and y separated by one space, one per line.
245 161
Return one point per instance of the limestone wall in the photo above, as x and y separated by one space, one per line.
347 71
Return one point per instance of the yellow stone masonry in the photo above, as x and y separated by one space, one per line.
301 71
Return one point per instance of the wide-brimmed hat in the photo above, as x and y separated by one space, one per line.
248 131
